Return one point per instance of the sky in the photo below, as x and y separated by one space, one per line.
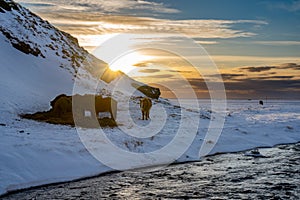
253 45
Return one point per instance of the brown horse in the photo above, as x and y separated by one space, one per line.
95 105
80 104
106 105
61 105
145 106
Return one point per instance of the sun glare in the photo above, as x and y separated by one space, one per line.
126 62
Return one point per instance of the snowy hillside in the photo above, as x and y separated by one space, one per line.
39 62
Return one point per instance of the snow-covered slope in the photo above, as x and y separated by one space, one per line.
38 61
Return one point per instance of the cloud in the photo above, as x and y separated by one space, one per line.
274 77
198 83
106 24
293 6
258 69
156 7
231 76
281 82
263 88
207 42
117 6
293 66
141 64
278 43
229 61
149 70
105 6
254 88
264 85
100 17
182 71
37 4
227 76
230 58
278 81
160 76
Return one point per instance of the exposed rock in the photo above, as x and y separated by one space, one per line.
148 90
30 34
8 6
21 45
26 48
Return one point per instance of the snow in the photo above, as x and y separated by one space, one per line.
34 153
41 154
251 125
27 81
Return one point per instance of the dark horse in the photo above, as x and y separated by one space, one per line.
80 104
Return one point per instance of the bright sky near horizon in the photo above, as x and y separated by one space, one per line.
255 44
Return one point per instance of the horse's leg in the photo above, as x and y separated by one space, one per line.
148 113
143 114
114 110
111 114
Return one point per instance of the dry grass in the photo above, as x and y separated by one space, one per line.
67 119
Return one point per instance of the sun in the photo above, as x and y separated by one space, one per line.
127 62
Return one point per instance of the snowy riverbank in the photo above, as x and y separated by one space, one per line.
33 153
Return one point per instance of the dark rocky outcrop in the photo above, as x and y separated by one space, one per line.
26 48
7 6
30 34
149 91
21 45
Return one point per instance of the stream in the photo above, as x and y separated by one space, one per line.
223 176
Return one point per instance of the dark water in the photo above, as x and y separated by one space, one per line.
227 176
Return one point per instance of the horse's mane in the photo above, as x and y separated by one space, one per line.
52 103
